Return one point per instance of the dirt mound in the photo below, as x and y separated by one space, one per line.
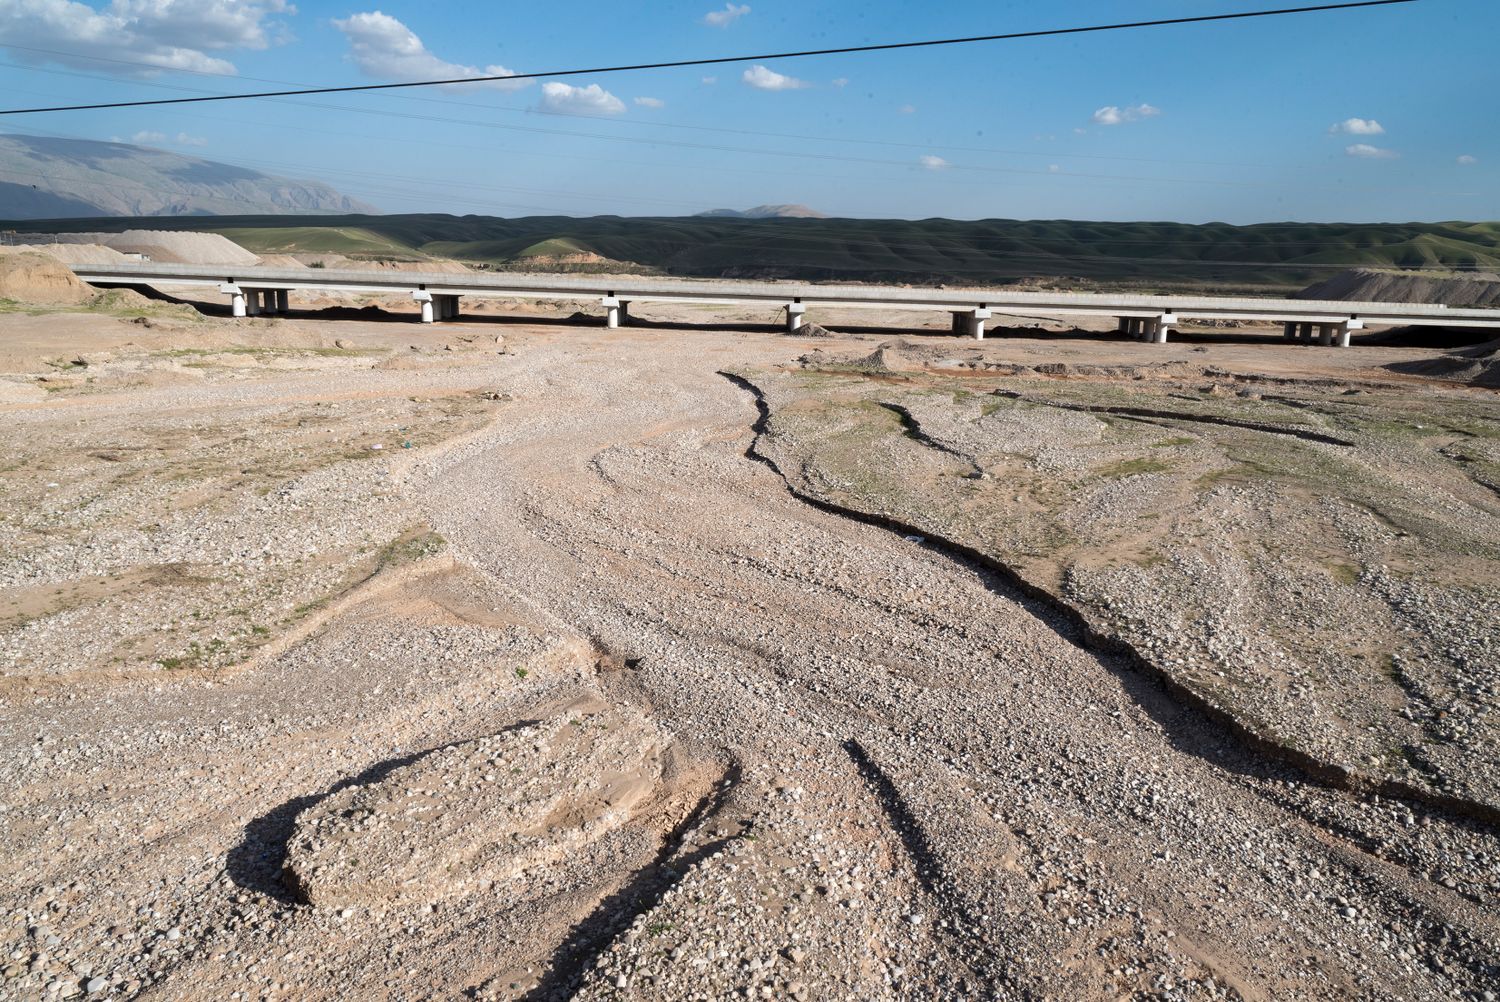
279 261
338 262
70 253
477 812
37 278
1478 365
1370 285
166 247
813 330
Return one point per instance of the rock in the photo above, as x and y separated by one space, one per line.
95 986
344 343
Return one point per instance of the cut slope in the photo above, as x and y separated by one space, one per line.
1370 285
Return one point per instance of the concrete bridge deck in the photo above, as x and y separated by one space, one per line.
253 290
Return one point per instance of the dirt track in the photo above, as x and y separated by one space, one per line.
878 773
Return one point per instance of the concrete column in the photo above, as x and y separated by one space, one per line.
1160 327
976 322
624 313
1325 334
1341 332
252 302
794 317
424 299
611 311
1289 331
283 300
957 326
236 298
1305 332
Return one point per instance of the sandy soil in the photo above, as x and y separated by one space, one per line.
561 693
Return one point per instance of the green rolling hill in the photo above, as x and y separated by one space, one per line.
1141 255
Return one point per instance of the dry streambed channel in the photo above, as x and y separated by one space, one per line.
908 670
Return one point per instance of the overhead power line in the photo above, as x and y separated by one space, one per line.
721 60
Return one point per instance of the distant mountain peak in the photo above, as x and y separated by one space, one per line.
768 212
42 177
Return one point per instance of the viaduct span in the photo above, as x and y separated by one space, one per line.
255 290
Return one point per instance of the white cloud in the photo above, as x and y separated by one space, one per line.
564 99
1357 127
1054 168
1113 115
761 78
724 18
161 34
650 102
1367 152
907 109
710 80
384 48
933 163
1467 160
207 24
150 137
841 82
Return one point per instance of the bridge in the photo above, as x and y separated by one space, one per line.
257 290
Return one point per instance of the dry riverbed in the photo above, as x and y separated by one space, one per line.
359 659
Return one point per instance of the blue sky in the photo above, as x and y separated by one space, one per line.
1384 114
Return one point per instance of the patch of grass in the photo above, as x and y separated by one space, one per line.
1133 467
409 549
1345 574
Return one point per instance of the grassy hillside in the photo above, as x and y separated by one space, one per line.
1144 255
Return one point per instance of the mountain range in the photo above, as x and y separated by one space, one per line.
48 178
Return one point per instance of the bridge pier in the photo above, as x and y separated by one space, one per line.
611 306
795 317
236 298
283 300
252 302
445 307
424 299
1157 328
976 322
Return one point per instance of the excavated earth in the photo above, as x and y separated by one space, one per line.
360 660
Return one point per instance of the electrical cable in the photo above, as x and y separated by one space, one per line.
722 60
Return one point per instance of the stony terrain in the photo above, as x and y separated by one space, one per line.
573 697
1316 558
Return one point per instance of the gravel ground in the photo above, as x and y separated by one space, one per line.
766 751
